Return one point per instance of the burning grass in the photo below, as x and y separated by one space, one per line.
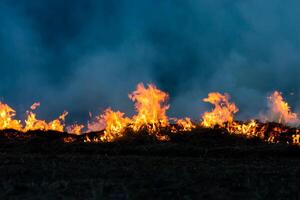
151 155
264 132
151 117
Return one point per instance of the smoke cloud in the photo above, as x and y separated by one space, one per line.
88 55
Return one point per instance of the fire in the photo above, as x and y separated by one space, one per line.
249 129
115 123
151 106
223 112
75 129
58 124
185 124
7 120
35 106
296 138
280 111
32 123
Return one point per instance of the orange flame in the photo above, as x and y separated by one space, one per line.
249 129
296 138
185 124
151 106
223 112
33 124
280 111
75 129
115 123
7 120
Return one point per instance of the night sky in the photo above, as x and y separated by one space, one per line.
87 55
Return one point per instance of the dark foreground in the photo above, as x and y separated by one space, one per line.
200 165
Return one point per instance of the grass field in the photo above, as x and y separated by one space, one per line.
204 164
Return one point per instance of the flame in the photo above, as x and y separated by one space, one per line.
75 129
87 139
35 106
32 123
185 124
115 123
249 129
280 111
151 106
58 124
7 120
223 112
296 138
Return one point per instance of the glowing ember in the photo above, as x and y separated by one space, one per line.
249 129
87 139
296 138
151 106
280 111
35 106
223 112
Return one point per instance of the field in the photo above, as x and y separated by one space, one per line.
204 164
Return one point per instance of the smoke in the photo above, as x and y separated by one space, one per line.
86 56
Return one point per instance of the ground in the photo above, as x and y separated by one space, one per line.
204 164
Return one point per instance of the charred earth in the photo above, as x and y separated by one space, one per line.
204 163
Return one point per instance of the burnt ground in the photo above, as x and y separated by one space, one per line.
205 164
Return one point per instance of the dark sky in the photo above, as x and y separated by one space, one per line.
86 55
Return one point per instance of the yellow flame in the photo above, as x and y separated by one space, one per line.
75 129
32 123
185 124
115 123
58 124
249 129
151 106
296 138
7 120
223 111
